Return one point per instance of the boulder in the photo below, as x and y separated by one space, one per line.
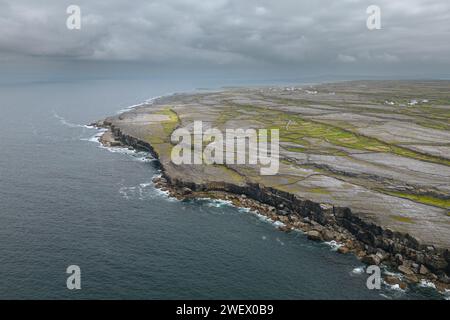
444 278
405 269
350 244
423 270
442 287
420 258
412 278
361 254
328 235
395 281
437 263
306 227
186 191
285 228
317 227
343 250
432 276
371 259
383 255
314 235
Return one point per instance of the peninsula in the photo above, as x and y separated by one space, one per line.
363 163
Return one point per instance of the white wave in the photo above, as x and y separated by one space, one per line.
96 137
392 274
278 224
149 186
147 158
394 287
145 185
358 270
126 192
162 193
66 123
426 284
129 108
166 195
334 245
217 203
447 294
142 191
146 102
261 217
141 156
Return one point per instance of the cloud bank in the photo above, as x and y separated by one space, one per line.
230 32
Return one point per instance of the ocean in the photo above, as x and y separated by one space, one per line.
66 200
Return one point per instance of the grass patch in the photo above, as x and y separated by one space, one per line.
299 129
159 132
169 125
434 125
429 200
402 219
226 115
319 190
296 149
230 173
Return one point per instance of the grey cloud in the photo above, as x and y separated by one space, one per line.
229 31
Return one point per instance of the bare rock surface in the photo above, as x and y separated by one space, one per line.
357 146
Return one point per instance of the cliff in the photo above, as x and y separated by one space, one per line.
360 164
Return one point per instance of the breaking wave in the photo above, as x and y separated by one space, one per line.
334 245
69 124
146 102
359 270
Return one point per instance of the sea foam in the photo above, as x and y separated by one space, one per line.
69 124
146 102
334 245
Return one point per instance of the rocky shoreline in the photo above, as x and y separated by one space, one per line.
372 244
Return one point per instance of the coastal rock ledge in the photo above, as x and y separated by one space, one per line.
370 175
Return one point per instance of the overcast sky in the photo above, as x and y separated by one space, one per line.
297 33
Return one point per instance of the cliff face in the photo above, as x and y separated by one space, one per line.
339 177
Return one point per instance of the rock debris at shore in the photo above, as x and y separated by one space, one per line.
359 164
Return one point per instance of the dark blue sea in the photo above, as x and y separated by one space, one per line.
65 200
